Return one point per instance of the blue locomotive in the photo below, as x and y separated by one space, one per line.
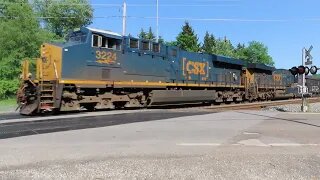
97 69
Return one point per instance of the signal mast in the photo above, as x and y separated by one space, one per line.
304 70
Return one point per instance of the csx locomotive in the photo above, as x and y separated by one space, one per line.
97 69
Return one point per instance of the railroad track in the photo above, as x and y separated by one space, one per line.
258 105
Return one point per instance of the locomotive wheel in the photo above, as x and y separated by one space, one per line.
89 106
119 105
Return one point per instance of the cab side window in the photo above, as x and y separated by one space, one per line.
106 42
111 43
134 43
174 53
145 45
96 40
156 47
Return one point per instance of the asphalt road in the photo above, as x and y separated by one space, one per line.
76 121
169 144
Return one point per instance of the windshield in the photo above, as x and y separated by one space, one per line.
77 37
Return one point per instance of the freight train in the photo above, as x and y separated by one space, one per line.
98 69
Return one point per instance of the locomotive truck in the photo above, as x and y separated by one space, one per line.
98 69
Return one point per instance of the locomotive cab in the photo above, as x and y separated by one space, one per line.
88 54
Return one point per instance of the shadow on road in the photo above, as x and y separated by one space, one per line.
17 129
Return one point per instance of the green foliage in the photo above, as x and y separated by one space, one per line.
219 46
142 34
209 43
161 40
240 52
8 104
22 35
150 35
147 35
224 47
187 39
8 88
257 52
11 101
64 15
171 43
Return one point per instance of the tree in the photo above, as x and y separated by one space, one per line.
160 40
150 35
142 34
209 43
258 53
171 43
187 39
64 15
241 52
20 38
224 47
147 36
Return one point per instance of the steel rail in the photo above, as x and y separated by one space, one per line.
258 105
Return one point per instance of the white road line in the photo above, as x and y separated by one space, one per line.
291 144
301 113
250 133
198 144
249 145
277 145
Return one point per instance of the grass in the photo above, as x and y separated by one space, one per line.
8 105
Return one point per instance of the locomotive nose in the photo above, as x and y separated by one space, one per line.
49 63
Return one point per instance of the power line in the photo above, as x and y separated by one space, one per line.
183 18
220 19
66 4
132 5
182 5
62 17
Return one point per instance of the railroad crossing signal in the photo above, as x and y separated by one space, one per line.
304 70
300 70
306 61
308 56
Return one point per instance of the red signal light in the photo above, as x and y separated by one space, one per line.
301 69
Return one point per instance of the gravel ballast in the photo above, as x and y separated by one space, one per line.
312 107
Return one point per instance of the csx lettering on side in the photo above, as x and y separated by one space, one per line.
195 68
201 68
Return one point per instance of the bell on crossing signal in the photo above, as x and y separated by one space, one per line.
313 70
294 71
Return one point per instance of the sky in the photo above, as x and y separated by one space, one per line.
284 26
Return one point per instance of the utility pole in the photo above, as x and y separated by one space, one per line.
157 32
124 18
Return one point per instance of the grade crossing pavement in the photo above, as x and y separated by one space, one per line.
189 145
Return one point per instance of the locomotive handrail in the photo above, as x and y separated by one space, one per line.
55 70
25 69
